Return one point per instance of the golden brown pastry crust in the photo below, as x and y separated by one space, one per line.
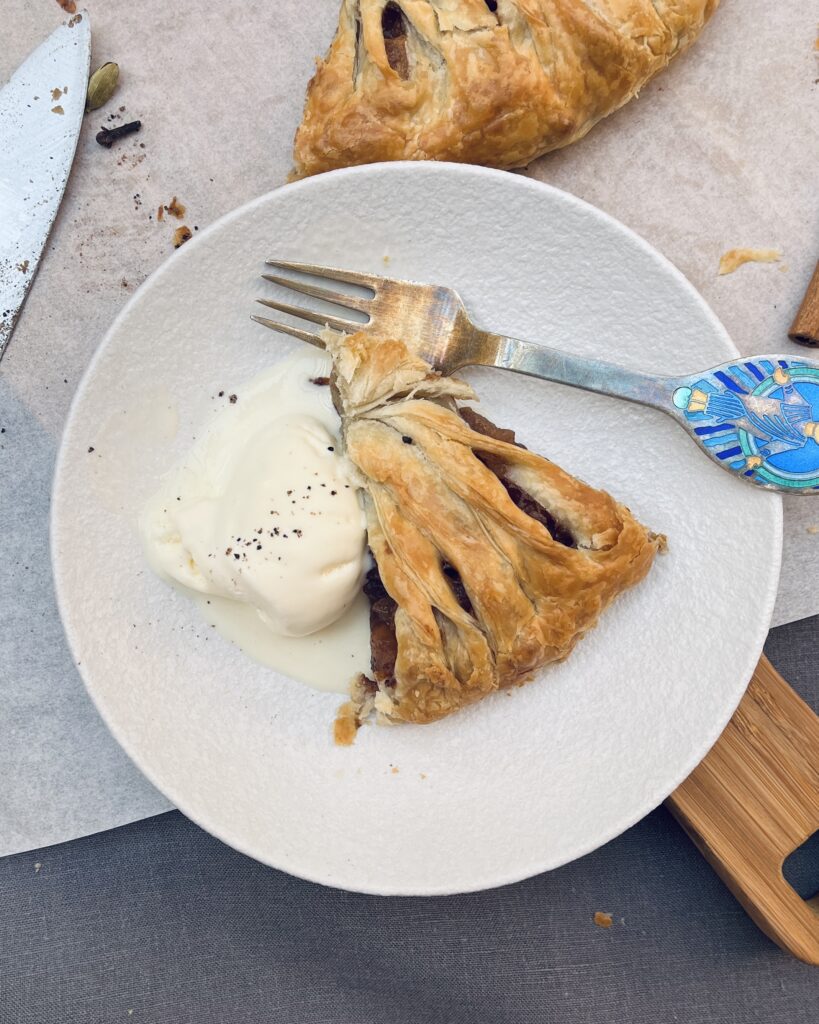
468 84
432 503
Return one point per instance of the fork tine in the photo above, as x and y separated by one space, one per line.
337 298
323 319
345 276
308 336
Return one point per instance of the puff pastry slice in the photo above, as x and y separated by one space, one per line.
491 561
494 82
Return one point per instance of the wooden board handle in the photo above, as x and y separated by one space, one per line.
753 800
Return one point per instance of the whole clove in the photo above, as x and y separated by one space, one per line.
108 136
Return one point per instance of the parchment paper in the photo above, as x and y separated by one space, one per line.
718 152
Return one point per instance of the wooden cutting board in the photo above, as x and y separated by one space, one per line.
753 800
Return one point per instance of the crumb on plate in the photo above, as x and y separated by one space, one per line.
346 725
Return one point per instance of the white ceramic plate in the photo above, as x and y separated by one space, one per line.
523 782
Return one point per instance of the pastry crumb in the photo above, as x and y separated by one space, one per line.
69 6
176 209
733 259
394 770
181 235
346 725
602 920
57 110
813 529
423 775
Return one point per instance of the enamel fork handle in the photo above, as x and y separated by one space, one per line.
756 417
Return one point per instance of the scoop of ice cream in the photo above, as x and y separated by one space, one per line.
264 509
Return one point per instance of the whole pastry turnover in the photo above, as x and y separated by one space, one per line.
494 82
490 561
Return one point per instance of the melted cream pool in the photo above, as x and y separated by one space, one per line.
261 525
326 660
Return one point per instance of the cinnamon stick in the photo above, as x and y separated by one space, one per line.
805 328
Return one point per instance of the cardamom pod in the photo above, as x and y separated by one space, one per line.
101 85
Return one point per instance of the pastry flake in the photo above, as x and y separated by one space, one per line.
491 561
479 81
733 259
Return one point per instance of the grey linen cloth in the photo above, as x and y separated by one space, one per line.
158 923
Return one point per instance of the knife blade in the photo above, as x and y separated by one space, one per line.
41 111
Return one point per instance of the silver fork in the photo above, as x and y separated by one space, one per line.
758 418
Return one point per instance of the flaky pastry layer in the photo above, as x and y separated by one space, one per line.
459 80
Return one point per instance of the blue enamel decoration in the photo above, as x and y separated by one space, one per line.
760 417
